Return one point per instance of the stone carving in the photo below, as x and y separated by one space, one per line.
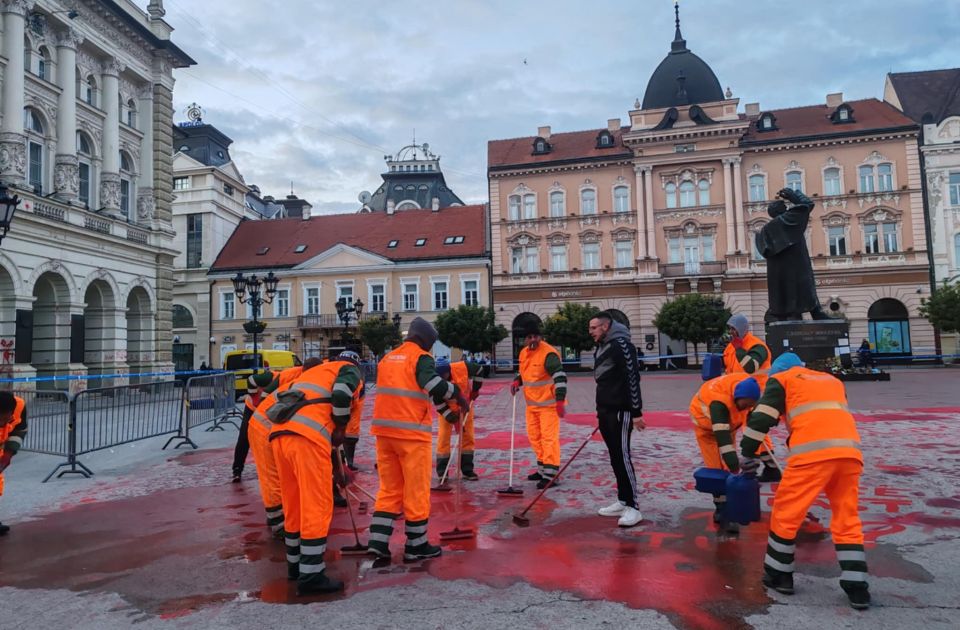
88 64
68 38
49 111
66 176
13 157
135 48
110 191
590 237
874 199
557 224
18 7
589 220
146 204
518 226
113 67
623 217
686 214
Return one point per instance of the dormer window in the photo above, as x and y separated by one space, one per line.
300 249
767 122
420 242
605 140
842 114
392 244
263 251
541 146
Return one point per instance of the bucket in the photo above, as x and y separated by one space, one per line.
743 499
711 480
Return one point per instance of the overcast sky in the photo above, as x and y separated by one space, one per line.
317 91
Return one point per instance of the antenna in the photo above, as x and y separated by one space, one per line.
291 186
414 143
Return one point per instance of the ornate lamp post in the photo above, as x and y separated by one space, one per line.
255 292
345 312
396 320
8 207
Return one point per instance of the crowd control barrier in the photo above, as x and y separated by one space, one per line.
206 399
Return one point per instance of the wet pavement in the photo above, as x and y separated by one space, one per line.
164 540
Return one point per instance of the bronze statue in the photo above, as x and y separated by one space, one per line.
791 290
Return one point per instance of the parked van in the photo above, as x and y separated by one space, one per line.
242 362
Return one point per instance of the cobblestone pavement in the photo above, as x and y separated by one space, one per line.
162 540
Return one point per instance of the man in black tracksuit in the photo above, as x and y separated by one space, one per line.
619 409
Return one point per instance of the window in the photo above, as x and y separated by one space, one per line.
392 244
624 254
514 207
795 180
956 250
281 303
263 251
471 292
36 165
871 238
194 240
688 195
605 140
90 91
85 155
866 179
671 192
181 183
42 69
831 181
377 298
837 238
227 305
345 292
558 258
410 296
458 240
524 260
704 188
228 190
843 114
312 299
885 177
299 249
758 188
35 134
684 148
621 199
691 254
440 296
529 207
766 122
181 316
588 201
673 249
44 65
556 204
709 254
126 172
420 242
591 256
448 240
889 237
954 189
131 113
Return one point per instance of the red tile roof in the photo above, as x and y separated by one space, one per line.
814 120
369 231
573 145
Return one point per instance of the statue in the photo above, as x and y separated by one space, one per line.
790 286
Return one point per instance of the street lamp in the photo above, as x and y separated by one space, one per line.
396 320
255 292
8 207
344 312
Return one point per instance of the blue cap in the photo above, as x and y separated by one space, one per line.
784 362
747 388
443 368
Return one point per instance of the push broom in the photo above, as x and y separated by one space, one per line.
458 533
510 491
357 549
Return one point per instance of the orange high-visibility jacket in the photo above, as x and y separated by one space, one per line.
820 424
5 431
314 421
288 376
460 376
538 386
720 390
732 365
401 408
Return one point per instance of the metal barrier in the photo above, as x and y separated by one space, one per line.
206 399
48 422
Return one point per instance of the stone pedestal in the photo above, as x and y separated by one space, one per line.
813 341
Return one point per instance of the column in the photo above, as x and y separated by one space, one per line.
651 225
728 207
146 203
641 215
13 150
110 175
738 206
66 174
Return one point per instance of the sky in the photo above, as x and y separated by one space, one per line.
317 92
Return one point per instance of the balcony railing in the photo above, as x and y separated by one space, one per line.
676 270
49 209
331 320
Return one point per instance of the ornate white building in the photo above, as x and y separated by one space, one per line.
86 270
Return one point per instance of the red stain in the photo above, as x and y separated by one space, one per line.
953 504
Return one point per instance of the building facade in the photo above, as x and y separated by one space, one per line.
398 259
627 216
86 272
932 99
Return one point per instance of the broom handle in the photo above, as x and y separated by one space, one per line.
356 535
560 472
513 429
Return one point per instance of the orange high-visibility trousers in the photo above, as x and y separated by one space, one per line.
543 430
1 484
707 441
405 469
267 474
839 479
467 439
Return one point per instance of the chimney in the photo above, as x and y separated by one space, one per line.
613 125
544 132
391 206
834 100
268 198
435 204
752 109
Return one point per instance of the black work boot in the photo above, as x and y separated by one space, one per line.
859 597
338 499
421 551
318 583
442 466
466 467
545 481
350 450
534 476
4 529
779 581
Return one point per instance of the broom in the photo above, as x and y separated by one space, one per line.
510 491
357 549
458 533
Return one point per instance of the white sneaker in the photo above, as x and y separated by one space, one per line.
629 517
614 509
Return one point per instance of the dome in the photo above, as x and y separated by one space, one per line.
682 78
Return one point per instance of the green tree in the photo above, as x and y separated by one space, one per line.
569 326
693 317
942 308
379 334
470 328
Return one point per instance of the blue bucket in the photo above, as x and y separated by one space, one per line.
743 499
711 480
712 366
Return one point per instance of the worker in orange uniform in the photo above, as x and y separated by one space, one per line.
545 390
747 354
256 384
824 456
468 377
407 382
719 410
352 437
310 421
13 428
287 376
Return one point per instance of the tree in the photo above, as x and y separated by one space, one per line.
470 328
693 317
569 326
379 334
942 308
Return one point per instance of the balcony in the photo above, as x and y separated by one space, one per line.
322 321
679 270
50 210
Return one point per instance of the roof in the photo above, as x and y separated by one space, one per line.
682 78
574 145
176 54
933 92
420 187
813 121
367 231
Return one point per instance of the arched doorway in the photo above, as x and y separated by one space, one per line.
8 325
889 327
139 331
184 333
51 325
520 323
99 328
619 316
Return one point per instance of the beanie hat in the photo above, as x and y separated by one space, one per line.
422 330
784 362
747 388
443 368
530 328
739 323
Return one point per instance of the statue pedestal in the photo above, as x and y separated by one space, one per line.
813 341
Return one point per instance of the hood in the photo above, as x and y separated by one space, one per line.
617 331
740 323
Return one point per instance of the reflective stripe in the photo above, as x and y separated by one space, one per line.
378 537
542 383
779 566
311 387
543 403
416 529
745 360
312 549
558 374
402 393
278 527
401 424
851 556
293 559
382 521
341 411
313 424
728 448
312 568
263 420
779 546
820 445
416 542
767 410
721 426
816 406
753 434
433 382
694 418
853 576
703 406
720 498
342 388
275 513
15 439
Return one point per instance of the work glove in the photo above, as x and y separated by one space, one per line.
749 465
474 394
338 436
562 408
734 465
463 403
5 461
341 473
514 387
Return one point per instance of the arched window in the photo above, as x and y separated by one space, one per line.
671 193
866 179
688 195
529 207
758 188
126 183
513 205
621 199
884 177
181 317
33 125
704 188
557 204
85 157
131 113
44 64
90 91
795 180
831 181
588 201
27 54
889 327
